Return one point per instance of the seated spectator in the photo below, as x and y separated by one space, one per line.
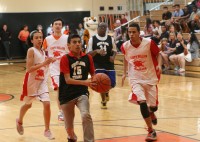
193 48
67 30
148 28
118 35
165 33
156 37
182 20
177 14
172 29
166 14
164 53
123 19
197 4
171 43
157 26
177 57
191 22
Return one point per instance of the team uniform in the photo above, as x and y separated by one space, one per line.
102 63
35 83
142 71
56 47
71 95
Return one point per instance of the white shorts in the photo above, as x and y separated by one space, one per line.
55 82
43 98
144 92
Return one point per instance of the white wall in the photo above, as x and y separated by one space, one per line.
8 6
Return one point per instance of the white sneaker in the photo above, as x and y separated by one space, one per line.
20 128
181 70
176 68
49 135
60 116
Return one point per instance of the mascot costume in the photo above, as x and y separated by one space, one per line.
90 26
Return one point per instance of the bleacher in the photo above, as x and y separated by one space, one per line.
192 68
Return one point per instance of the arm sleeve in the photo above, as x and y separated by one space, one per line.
90 45
154 48
92 69
64 65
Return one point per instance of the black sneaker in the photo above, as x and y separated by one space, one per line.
153 118
71 140
103 105
151 136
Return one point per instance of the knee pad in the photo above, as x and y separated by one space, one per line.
144 110
153 109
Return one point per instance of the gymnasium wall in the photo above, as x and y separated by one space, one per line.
16 13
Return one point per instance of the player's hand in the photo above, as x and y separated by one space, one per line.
159 70
47 61
123 79
102 52
91 84
112 59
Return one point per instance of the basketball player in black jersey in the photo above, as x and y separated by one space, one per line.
103 49
73 90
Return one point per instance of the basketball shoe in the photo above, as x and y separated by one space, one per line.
20 128
71 140
151 136
103 104
153 118
49 135
60 116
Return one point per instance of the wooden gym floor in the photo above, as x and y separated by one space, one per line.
178 114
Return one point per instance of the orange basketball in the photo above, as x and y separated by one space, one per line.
103 82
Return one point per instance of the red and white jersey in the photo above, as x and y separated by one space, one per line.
35 83
56 47
142 62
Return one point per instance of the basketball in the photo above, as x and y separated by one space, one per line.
103 82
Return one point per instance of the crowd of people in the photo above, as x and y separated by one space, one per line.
168 35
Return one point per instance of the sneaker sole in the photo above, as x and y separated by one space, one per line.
20 132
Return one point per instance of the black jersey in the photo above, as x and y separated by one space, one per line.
79 69
103 62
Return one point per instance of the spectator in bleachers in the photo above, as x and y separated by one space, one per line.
196 26
156 37
183 20
197 4
164 51
193 46
172 29
166 14
172 42
165 33
177 14
157 27
118 35
191 21
123 19
148 28
177 57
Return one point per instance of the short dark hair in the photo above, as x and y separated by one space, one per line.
135 25
71 36
177 5
32 34
165 7
58 19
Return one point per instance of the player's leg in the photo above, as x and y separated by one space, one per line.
103 95
24 108
138 94
69 114
44 98
112 75
84 107
55 85
152 92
